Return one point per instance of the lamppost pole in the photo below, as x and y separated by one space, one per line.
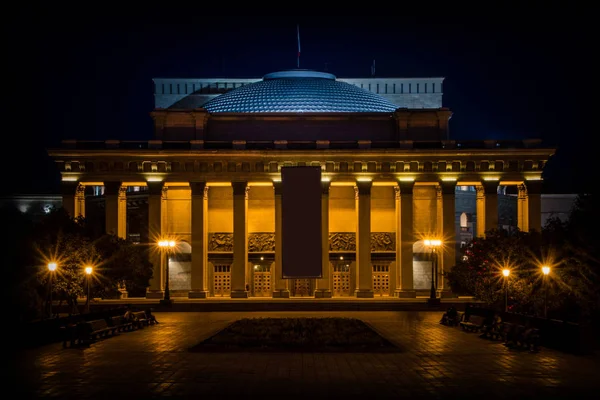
545 271
51 267
433 244
165 247
506 273
88 273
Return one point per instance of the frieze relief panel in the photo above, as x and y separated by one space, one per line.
342 241
218 241
346 241
260 242
383 241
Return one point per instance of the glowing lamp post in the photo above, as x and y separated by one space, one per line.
165 247
506 273
51 267
434 245
88 275
545 271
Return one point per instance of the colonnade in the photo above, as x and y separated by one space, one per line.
529 218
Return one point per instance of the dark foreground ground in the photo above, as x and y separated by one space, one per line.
435 361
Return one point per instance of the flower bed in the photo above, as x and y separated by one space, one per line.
297 334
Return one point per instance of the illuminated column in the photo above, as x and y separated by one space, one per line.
324 284
240 239
363 240
115 208
405 239
447 254
522 208
281 285
534 206
199 277
155 190
80 201
487 207
68 190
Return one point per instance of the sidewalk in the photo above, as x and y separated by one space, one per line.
435 362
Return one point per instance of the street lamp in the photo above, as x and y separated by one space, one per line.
166 246
434 244
51 267
506 273
88 273
545 271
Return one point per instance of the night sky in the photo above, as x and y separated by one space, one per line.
92 80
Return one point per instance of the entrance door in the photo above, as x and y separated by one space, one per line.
222 280
341 279
262 280
381 279
301 287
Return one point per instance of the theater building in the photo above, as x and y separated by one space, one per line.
210 178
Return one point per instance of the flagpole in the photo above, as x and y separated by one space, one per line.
298 31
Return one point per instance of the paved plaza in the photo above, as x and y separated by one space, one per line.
436 361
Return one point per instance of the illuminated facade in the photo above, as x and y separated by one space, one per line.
210 178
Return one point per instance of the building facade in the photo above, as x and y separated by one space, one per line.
210 179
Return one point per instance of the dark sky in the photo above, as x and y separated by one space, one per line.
504 79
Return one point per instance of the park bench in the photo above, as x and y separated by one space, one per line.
520 336
119 322
97 328
139 319
473 323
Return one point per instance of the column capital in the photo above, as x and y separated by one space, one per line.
155 188
239 188
406 187
447 187
112 188
198 188
364 187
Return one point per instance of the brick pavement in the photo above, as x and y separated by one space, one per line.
436 362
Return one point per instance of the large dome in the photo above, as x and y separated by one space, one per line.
298 91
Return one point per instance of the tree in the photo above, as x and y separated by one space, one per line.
123 264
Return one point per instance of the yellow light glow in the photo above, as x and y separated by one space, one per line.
546 269
276 179
449 179
69 179
533 178
385 183
491 178
260 183
325 179
506 272
167 243
261 258
154 179
88 270
341 257
215 184
177 184
134 184
432 242
52 266
363 179
342 183
406 179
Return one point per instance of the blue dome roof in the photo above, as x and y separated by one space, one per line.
298 91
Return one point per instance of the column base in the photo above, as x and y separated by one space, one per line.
197 294
447 294
323 294
406 294
239 294
434 302
364 293
123 294
281 294
155 294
